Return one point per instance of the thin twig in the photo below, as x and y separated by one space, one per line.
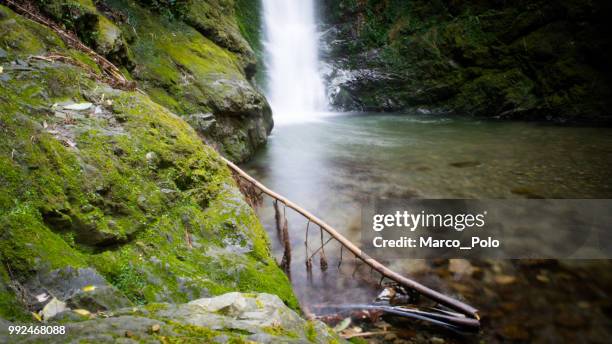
320 248
322 257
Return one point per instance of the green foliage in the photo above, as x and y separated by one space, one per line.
169 8
248 15
129 280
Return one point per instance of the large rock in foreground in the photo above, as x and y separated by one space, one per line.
229 318
104 188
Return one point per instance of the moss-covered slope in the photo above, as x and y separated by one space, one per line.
189 56
107 187
517 59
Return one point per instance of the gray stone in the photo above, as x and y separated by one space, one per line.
261 318
79 288
52 308
202 122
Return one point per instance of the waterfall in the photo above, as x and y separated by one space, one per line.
295 88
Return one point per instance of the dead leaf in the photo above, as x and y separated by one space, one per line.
36 316
542 278
78 106
89 288
461 267
505 279
82 312
343 325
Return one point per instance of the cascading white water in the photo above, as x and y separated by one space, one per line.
295 88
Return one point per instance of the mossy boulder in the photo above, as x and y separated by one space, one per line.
189 56
112 191
95 30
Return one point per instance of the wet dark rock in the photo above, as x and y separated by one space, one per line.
79 288
202 122
101 298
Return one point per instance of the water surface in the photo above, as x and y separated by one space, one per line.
332 166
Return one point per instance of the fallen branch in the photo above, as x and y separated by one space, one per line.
373 263
322 257
453 321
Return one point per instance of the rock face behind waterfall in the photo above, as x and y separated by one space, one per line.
189 56
541 60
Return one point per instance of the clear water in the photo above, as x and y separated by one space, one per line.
295 88
332 166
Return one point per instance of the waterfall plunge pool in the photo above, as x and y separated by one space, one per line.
333 164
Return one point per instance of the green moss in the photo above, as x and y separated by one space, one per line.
10 308
22 36
533 62
249 22
176 61
155 307
191 333
198 334
131 190
279 331
79 16
27 245
311 332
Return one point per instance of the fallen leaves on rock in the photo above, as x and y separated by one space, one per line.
504 279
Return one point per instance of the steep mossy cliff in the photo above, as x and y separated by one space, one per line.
515 59
189 56
107 198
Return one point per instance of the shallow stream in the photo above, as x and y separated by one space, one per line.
333 165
